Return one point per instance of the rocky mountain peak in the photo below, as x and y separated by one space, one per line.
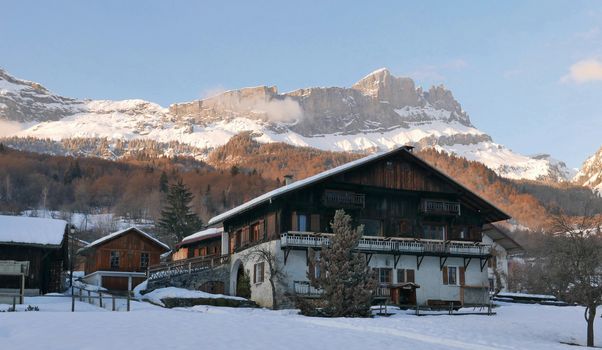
382 86
590 173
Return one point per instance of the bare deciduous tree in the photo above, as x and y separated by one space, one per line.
572 264
275 269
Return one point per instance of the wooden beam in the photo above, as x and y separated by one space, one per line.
396 259
287 250
442 261
466 262
419 259
484 262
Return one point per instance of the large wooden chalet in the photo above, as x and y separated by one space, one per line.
422 230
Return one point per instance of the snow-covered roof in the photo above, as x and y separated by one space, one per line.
28 230
119 233
334 171
208 233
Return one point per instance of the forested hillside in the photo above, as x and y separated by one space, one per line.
234 173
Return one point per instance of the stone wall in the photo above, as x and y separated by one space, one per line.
195 280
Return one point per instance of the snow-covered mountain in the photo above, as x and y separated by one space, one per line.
379 112
590 174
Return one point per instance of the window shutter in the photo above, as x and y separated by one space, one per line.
315 223
410 276
462 276
255 273
295 222
445 275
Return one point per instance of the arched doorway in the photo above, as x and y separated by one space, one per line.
239 281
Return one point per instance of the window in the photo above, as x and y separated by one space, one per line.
371 227
434 232
401 275
405 276
258 272
452 275
384 275
302 222
144 259
114 259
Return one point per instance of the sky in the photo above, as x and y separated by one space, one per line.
529 73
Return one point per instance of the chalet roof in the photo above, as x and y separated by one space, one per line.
209 233
497 214
119 233
501 237
23 230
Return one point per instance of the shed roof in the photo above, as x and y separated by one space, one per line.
497 214
122 232
501 237
212 232
22 230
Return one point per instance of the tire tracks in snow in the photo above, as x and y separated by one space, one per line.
444 342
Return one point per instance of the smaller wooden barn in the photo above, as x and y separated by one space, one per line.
200 244
40 241
119 260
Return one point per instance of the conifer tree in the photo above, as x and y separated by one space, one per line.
163 182
177 218
344 276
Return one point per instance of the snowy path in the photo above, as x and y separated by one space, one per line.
149 327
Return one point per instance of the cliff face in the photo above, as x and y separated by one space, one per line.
378 112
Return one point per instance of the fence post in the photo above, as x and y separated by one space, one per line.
189 268
72 300
89 299
14 303
113 302
80 294
128 308
100 298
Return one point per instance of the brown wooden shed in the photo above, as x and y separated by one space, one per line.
119 260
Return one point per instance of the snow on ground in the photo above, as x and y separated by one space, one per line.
172 292
516 326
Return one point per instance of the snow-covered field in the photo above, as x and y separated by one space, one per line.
149 327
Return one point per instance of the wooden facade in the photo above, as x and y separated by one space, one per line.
46 266
211 246
397 195
128 251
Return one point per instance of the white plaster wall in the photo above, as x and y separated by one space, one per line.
502 263
429 276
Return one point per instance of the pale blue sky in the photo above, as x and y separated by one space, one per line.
507 62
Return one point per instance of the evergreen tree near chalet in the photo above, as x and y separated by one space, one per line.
344 276
177 218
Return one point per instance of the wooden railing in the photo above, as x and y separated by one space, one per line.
344 199
389 244
440 207
305 289
187 266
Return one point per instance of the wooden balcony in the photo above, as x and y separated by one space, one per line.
343 199
435 207
390 245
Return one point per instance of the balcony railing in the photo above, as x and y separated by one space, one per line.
440 207
186 266
391 245
305 289
344 199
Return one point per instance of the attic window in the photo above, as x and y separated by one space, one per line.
389 165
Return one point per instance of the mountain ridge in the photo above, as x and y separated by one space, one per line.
378 112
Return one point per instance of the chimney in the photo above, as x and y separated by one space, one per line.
288 179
